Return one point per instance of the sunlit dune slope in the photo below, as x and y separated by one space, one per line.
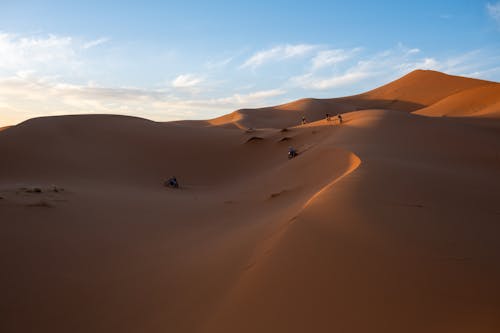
397 242
482 101
422 88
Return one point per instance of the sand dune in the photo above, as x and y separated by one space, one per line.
423 87
414 91
482 101
283 116
385 223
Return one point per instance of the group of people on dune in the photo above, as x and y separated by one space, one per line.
292 152
327 116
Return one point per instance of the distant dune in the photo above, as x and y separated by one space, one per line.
413 92
482 101
423 87
388 222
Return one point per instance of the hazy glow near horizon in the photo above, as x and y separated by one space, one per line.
166 60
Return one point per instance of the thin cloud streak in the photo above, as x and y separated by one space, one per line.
494 11
94 43
187 81
332 57
278 53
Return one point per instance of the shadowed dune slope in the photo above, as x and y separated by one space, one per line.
111 248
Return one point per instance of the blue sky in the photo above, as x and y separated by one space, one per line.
167 60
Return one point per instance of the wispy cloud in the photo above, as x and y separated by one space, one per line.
214 106
331 57
250 98
309 81
19 53
218 64
494 11
94 43
187 81
446 16
25 95
390 64
278 53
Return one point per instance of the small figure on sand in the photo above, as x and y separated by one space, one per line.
340 118
172 182
291 152
328 117
303 120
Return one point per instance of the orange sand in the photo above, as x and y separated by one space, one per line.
386 223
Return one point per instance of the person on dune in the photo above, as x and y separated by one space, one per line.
291 152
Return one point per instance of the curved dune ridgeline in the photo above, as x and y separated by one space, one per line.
387 222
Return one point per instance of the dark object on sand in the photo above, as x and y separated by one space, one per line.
56 188
291 152
172 182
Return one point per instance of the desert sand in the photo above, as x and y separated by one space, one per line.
388 222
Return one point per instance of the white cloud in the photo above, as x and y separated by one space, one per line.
94 43
494 11
20 53
218 64
425 63
187 81
308 81
367 71
332 57
266 93
221 105
249 100
26 95
278 53
379 67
